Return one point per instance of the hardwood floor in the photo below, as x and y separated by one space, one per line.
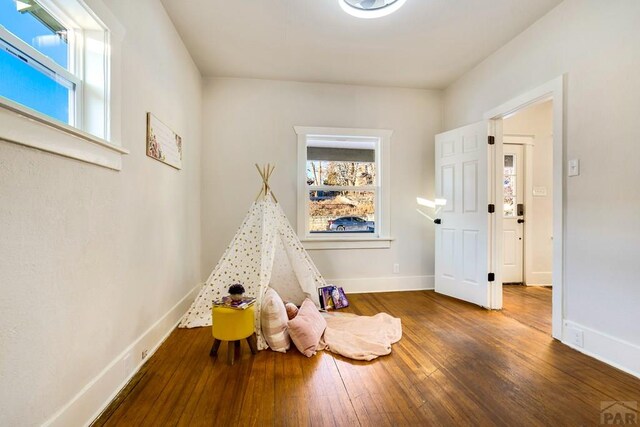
530 305
457 364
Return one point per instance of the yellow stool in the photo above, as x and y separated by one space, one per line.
232 325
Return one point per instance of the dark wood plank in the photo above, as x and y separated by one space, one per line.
134 409
457 364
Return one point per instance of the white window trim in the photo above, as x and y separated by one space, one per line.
30 128
383 237
25 126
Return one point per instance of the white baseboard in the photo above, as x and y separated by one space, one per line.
89 403
385 284
540 278
604 347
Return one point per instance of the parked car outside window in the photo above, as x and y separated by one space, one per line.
351 223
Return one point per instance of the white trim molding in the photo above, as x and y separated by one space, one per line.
604 347
347 243
94 398
385 284
539 278
519 139
27 127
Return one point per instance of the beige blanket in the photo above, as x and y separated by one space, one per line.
360 337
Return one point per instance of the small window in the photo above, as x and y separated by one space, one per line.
35 59
342 193
47 47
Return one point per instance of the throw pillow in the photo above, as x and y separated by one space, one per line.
307 328
292 310
273 318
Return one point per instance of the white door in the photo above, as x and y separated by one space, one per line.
462 239
513 219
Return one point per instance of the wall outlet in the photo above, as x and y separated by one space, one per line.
396 268
128 365
576 337
145 353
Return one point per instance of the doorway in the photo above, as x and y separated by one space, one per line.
469 176
553 91
527 214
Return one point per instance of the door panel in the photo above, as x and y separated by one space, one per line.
470 256
513 231
448 252
448 186
470 188
509 248
462 243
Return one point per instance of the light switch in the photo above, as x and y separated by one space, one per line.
539 191
574 167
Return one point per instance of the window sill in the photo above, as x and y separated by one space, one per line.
347 243
21 125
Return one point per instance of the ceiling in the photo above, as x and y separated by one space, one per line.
426 44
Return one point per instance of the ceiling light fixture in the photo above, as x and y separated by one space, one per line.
371 8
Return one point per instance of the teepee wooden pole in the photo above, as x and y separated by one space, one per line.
262 186
265 180
265 189
270 190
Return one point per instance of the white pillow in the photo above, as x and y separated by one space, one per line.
273 319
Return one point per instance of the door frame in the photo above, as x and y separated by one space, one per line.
552 90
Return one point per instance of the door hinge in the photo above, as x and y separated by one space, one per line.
492 208
492 139
492 277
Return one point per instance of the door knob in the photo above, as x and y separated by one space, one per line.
437 221
520 221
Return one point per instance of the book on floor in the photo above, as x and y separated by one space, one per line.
332 297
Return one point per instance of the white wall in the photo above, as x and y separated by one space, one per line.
537 121
597 44
90 258
251 121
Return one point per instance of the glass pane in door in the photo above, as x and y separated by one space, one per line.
510 196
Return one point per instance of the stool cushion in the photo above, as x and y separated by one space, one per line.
274 320
307 328
230 324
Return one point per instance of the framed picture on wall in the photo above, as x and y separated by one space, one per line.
163 144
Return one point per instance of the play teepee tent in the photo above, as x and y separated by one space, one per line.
264 252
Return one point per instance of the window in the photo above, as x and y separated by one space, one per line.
55 66
343 193
510 193
35 60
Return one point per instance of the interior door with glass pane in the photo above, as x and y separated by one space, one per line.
513 219
462 240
